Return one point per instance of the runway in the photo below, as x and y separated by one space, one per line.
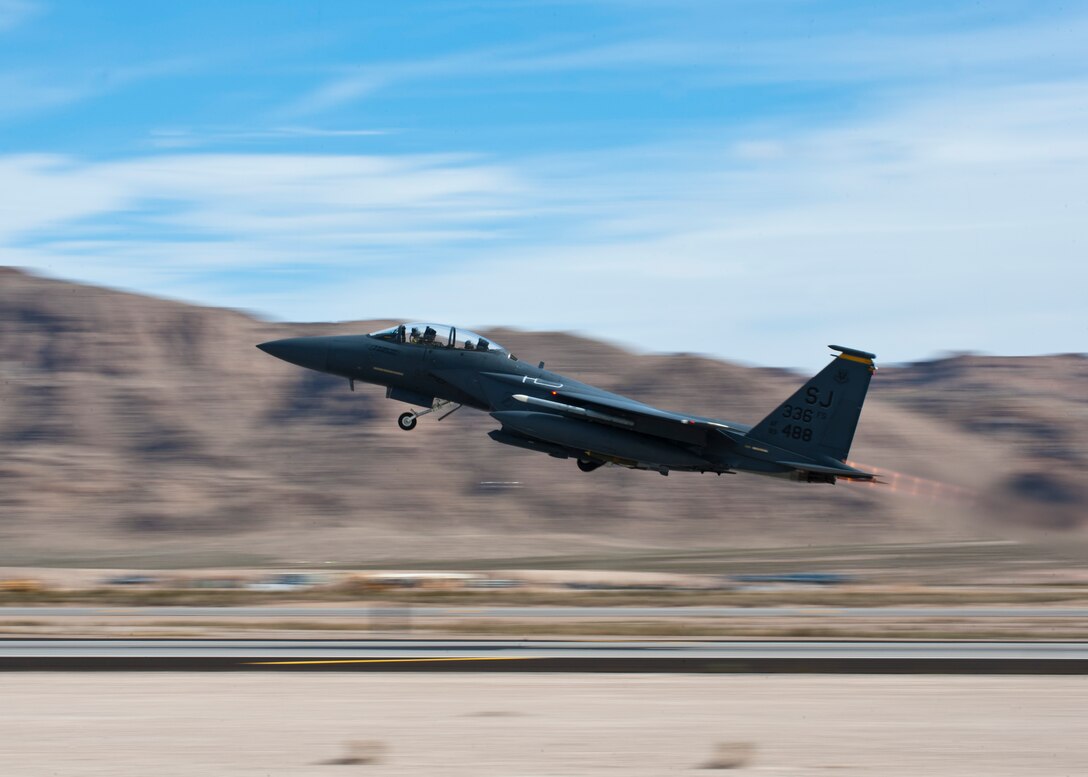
534 612
732 657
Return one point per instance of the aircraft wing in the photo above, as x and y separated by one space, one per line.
510 392
626 413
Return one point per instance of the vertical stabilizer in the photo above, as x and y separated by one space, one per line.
819 420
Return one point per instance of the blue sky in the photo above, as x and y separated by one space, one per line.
750 180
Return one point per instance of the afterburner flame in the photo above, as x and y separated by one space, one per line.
902 484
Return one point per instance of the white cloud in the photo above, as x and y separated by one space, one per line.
354 82
15 12
957 222
954 224
27 92
893 51
251 193
46 192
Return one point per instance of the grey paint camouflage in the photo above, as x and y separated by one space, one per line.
436 367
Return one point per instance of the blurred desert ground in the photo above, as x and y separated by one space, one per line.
138 432
177 725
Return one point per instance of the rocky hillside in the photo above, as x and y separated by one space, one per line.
133 424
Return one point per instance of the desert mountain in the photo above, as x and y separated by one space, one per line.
134 424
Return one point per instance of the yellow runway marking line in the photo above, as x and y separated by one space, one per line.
388 660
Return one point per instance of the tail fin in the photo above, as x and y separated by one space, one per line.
819 420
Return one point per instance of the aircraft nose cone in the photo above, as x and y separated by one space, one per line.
308 352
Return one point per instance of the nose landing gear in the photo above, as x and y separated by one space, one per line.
407 421
588 465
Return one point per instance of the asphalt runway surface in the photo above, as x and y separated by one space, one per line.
575 613
470 655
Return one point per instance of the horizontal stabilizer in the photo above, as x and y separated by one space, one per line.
842 471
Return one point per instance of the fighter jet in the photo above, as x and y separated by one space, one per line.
440 369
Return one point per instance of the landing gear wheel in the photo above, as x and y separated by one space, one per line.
407 421
588 466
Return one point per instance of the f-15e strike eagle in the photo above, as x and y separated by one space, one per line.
441 368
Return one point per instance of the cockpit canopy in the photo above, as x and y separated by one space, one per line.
440 336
